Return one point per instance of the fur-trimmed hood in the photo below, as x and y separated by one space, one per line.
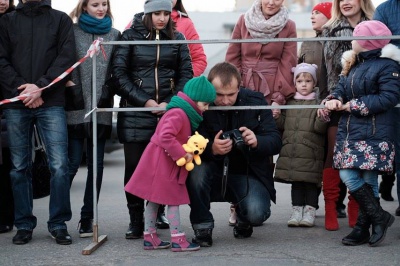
349 58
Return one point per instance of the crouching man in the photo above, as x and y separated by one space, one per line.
236 165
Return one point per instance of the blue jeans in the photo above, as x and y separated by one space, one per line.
355 179
204 186
75 151
52 126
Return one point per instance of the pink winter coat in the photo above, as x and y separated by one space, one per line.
265 67
185 26
157 178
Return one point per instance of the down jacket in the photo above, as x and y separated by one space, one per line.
365 137
37 44
263 126
185 25
147 72
302 155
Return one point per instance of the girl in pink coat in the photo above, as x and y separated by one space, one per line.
157 177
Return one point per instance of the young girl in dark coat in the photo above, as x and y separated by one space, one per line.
157 178
300 160
368 90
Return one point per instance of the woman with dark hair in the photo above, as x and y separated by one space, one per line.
6 196
149 75
185 26
93 19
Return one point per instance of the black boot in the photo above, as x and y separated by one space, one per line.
136 226
162 221
385 187
360 234
380 219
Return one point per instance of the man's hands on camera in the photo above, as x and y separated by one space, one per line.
221 146
249 137
224 146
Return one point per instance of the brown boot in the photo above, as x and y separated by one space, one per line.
330 188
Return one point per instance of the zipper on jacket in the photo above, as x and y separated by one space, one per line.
373 125
156 69
172 82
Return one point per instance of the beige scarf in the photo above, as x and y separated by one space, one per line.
259 27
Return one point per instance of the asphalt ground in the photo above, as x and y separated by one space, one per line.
273 243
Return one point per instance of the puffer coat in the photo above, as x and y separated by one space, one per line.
365 138
147 72
302 155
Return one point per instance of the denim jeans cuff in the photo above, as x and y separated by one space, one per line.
203 226
56 227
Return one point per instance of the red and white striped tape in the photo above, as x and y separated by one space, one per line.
94 49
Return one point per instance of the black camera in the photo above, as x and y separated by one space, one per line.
236 136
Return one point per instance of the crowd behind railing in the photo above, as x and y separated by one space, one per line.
328 111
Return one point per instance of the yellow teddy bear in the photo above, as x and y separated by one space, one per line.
195 145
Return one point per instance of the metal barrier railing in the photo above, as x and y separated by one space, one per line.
99 240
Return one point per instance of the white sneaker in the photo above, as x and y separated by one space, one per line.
233 215
297 215
308 216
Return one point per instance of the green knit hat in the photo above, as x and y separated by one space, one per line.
199 89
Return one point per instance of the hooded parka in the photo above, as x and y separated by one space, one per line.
365 138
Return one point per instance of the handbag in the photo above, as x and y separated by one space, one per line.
40 169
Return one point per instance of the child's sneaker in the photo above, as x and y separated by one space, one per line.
179 243
151 241
297 215
308 216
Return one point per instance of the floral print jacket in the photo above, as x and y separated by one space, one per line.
365 138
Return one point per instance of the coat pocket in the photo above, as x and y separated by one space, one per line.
74 98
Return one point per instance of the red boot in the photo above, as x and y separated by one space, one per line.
352 211
330 188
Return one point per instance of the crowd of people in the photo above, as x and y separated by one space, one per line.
343 146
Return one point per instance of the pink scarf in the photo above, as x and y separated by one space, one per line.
310 96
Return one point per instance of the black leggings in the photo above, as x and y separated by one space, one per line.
304 193
132 151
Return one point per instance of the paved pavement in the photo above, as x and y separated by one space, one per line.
271 244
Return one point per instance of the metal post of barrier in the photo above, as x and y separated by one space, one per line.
97 240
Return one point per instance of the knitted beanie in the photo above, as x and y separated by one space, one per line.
151 6
305 68
325 8
372 28
199 89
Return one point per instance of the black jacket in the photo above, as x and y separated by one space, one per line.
147 72
261 123
37 44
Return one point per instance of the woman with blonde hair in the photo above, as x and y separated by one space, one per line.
346 14
93 19
265 67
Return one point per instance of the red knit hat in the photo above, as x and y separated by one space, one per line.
372 28
325 8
